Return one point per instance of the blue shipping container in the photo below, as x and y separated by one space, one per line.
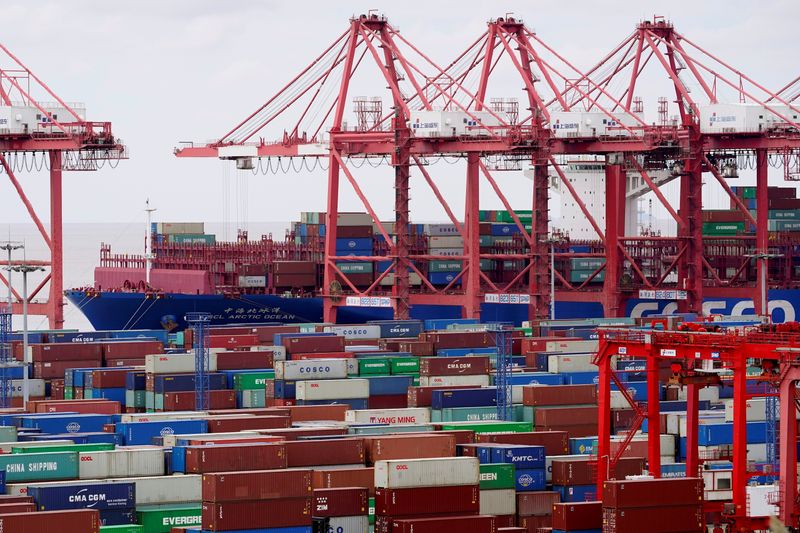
444 399
139 433
530 479
117 517
388 385
136 380
576 493
537 378
522 456
582 445
442 323
65 423
398 329
363 243
580 378
91 495
444 278
284 390
185 382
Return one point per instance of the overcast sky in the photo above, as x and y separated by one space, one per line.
169 71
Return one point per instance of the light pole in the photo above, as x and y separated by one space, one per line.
764 258
25 270
10 246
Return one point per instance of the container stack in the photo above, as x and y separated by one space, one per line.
411 494
582 517
257 500
654 505
116 502
341 509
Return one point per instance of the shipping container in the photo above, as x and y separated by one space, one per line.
162 519
100 496
462 524
409 415
536 503
644 493
344 477
257 485
660 519
74 521
392 447
229 516
234 457
310 369
302 453
498 502
453 366
333 389
578 516
427 472
427 500
343 501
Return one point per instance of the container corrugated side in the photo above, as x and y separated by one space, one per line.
40 466
155 490
333 389
135 462
305 369
411 415
498 502
257 485
175 363
427 472
78 521
161 519
350 524
447 381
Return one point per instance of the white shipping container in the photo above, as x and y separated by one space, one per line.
350 524
411 415
573 347
278 352
446 241
332 389
363 331
252 281
481 380
718 484
413 279
498 502
447 252
353 219
175 363
152 417
122 462
36 388
557 364
706 393
759 500
436 472
311 369
155 490
441 229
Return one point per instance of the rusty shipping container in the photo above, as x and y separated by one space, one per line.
66 352
79 521
453 366
626 494
245 360
185 401
384 448
344 477
314 344
538 503
572 416
343 501
325 452
130 350
422 396
228 516
543 396
462 524
464 499
582 472
576 516
242 423
659 519
256 485
233 457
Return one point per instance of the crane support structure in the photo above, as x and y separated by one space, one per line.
566 113
41 132
698 358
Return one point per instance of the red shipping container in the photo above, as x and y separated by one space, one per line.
581 471
246 439
78 521
232 341
506 521
125 362
344 501
419 446
304 413
85 407
460 339
244 360
294 280
265 334
462 524
539 344
130 350
660 519
229 424
344 477
538 503
543 396
532 524
109 379
84 351
625 494
453 366
256 485
233 457
56 369
229 516
422 396
260 411
387 402
294 267
554 442
322 355
573 432
416 348
463 499
582 515
11 508
325 452
57 389
314 344
292 434
10 498
462 436
573 416
353 232
185 401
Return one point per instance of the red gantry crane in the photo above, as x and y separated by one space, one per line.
40 131
462 113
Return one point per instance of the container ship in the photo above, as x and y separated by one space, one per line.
271 280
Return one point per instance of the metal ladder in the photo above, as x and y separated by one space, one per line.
199 323
502 378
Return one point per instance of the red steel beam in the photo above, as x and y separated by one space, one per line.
761 296
56 300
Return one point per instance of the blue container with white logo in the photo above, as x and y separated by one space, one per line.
444 399
388 385
461 352
362 243
444 278
673 470
139 433
77 336
530 479
576 493
536 378
398 329
581 378
582 445
520 455
500 230
98 496
65 423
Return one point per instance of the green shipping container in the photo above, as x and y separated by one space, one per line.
486 240
404 365
191 238
69 393
134 398
253 398
497 476
130 528
587 263
784 214
373 366
471 414
355 267
444 266
579 276
252 380
95 447
53 466
163 519
747 192
490 427
722 228
372 511
783 225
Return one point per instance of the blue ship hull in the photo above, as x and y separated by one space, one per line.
121 310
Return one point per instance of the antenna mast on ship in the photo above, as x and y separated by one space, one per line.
148 241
